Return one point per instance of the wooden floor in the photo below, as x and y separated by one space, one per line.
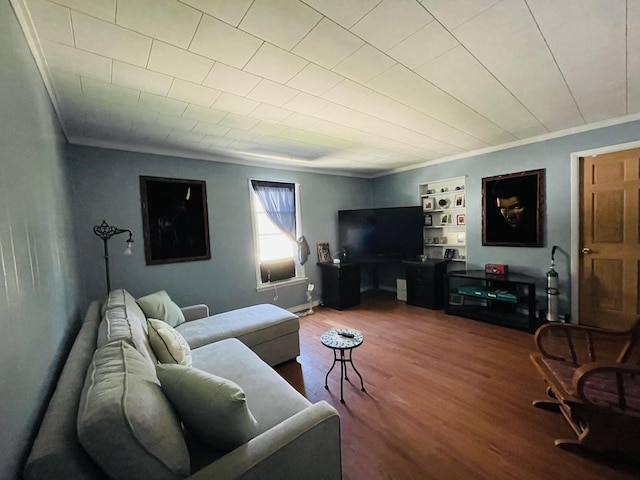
446 398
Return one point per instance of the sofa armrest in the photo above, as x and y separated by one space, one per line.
306 445
194 312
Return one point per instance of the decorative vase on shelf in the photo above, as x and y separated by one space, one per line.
443 202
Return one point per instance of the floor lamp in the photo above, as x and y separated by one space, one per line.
105 232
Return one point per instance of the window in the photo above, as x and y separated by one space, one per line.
276 227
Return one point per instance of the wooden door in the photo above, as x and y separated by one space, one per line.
610 239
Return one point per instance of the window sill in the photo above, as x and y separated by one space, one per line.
282 283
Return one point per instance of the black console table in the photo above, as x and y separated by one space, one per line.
508 300
340 285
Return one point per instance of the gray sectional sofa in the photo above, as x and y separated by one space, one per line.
117 412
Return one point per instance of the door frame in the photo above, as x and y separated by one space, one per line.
575 216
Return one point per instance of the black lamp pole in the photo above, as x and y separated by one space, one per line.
105 232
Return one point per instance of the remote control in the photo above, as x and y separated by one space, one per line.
347 334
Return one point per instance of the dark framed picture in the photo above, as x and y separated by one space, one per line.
449 253
460 219
324 254
512 209
175 220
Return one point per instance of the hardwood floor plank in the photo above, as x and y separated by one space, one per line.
446 398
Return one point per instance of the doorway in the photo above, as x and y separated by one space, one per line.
608 244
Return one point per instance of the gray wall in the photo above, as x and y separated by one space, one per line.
552 155
106 186
38 287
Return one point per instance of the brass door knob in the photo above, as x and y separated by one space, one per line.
585 251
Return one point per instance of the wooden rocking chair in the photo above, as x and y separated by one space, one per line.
593 378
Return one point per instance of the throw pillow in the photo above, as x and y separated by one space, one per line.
167 343
211 407
159 305
125 422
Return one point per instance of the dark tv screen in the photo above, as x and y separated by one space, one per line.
394 233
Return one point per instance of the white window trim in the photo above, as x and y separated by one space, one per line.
300 271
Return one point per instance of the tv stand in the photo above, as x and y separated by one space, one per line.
508 300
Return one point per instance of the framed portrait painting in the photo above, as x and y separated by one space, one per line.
175 220
324 254
512 209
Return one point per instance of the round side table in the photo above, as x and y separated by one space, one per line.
342 341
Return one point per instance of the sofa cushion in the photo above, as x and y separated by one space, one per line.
159 305
125 422
211 407
251 325
124 320
167 343
269 397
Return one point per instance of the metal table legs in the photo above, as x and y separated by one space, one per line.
343 359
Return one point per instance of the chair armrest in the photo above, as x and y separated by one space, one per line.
195 312
609 385
579 344
305 446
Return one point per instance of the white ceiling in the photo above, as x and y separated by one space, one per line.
357 87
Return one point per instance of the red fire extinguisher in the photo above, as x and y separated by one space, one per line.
552 290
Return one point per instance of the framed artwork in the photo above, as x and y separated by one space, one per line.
460 219
512 209
175 220
324 255
427 204
428 220
458 200
444 219
449 253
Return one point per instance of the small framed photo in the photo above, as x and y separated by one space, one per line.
460 219
460 237
444 219
428 220
324 255
427 204
449 253
458 200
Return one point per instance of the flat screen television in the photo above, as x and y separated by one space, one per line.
381 233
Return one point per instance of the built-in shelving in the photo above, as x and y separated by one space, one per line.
444 209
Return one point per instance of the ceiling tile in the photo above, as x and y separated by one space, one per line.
210 130
179 63
103 9
499 38
52 21
224 43
633 68
281 22
235 104
299 120
266 128
67 83
238 134
602 36
193 93
429 42
463 77
275 63
364 64
187 137
452 14
272 93
305 103
270 113
122 113
238 121
70 60
229 11
110 40
328 44
230 79
116 94
315 80
140 78
203 114
160 104
341 12
346 92
390 22
168 20
179 123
